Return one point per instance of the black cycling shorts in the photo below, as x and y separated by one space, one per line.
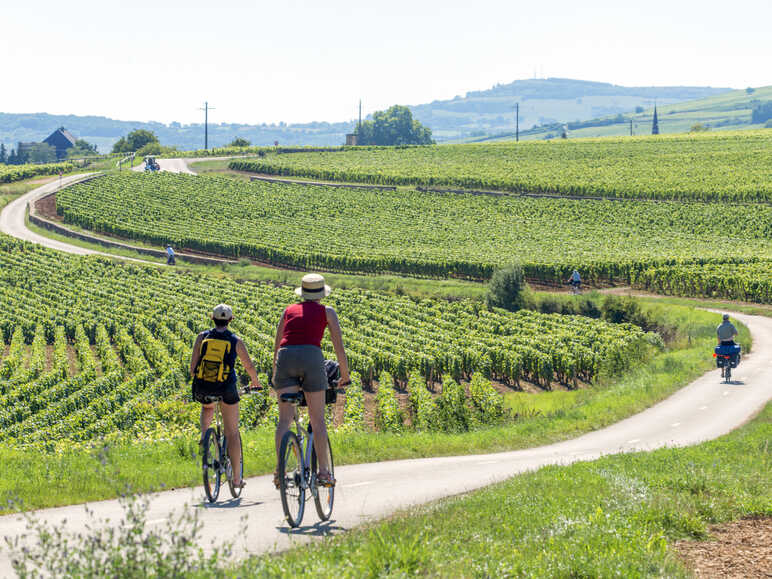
229 393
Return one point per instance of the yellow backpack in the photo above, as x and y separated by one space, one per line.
212 368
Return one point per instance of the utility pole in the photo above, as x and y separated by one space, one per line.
517 122
206 110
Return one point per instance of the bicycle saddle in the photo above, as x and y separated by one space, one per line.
292 398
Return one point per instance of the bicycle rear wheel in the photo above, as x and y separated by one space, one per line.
236 492
323 496
293 493
211 465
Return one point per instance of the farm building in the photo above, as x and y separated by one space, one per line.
61 140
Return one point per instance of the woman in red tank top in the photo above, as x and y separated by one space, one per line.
298 363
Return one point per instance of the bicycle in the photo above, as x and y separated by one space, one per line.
298 467
215 461
726 362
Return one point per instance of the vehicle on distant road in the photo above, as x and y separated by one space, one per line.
151 164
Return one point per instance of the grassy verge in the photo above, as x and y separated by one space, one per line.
94 246
610 517
743 308
80 475
9 191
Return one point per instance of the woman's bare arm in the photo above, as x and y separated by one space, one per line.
277 340
337 343
246 361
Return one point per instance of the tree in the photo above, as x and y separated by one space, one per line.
37 153
394 126
750 90
82 149
134 141
239 142
3 154
639 109
13 158
150 149
507 288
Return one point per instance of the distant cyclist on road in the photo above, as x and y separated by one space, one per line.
575 280
726 332
213 372
298 363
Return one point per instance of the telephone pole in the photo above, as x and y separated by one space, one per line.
206 110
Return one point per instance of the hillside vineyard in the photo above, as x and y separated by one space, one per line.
732 166
129 330
12 173
430 234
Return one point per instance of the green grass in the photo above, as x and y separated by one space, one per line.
78 475
94 246
611 517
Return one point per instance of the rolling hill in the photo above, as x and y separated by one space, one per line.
726 111
477 114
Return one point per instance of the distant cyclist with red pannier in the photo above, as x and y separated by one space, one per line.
727 352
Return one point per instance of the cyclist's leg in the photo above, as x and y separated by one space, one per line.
230 418
285 381
207 413
286 415
315 402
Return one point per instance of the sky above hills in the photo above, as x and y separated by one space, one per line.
299 61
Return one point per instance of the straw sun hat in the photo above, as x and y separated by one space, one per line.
312 287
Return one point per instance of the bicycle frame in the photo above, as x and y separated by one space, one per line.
306 440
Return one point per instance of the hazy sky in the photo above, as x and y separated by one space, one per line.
297 60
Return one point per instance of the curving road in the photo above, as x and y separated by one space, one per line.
703 410
13 215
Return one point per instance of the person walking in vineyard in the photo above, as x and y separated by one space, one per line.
169 255
298 363
575 280
213 372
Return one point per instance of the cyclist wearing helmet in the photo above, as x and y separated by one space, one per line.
298 363
726 332
228 390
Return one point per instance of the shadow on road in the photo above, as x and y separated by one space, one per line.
320 529
229 504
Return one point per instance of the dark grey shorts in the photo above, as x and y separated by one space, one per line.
301 366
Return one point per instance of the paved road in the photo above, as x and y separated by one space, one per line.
173 165
12 219
701 411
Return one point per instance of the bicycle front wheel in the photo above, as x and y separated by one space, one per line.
323 496
291 487
211 465
236 492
